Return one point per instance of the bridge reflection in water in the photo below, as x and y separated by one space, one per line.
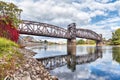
71 60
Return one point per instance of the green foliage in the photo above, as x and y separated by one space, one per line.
9 56
7 43
90 42
6 46
10 10
45 41
116 37
116 54
81 41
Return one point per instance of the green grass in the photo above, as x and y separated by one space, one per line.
7 43
6 47
9 55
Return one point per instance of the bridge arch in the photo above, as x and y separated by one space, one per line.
44 29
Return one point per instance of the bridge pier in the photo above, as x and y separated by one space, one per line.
71 46
71 43
99 43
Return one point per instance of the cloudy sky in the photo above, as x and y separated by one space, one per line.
101 16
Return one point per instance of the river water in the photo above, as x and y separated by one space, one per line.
89 63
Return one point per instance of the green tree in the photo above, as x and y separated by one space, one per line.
90 42
81 41
116 37
10 10
45 41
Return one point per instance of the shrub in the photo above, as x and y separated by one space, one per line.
9 20
7 29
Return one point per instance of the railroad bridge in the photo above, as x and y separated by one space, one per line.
48 30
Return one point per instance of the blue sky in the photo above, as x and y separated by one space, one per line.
101 16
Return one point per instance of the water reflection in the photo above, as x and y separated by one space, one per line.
116 54
86 63
71 60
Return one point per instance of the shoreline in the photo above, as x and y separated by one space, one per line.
31 68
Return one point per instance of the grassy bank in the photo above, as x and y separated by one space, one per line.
10 58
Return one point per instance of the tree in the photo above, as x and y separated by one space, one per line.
90 41
9 20
116 37
81 41
45 41
10 10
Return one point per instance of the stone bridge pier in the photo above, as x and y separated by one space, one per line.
99 43
71 43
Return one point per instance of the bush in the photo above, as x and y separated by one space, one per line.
9 20
7 29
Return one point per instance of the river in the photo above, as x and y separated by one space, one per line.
89 63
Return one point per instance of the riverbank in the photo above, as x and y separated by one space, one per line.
30 68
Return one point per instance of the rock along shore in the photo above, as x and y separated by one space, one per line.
31 69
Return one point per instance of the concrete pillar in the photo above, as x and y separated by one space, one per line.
71 43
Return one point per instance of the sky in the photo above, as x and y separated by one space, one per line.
101 16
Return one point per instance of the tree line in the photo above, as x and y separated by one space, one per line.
116 37
81 41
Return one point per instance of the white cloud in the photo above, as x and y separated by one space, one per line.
97 12
64 12
113 23
115 28
103 1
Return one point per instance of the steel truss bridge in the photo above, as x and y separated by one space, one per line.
48 30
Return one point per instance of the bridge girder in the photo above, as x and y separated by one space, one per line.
42 29
48 30
88 34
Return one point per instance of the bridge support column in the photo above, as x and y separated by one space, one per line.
71 43
99 43
71 46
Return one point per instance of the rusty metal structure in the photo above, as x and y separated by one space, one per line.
44 29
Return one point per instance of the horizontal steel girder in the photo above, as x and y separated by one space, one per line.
44 29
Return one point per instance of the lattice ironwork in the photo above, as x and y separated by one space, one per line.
88 34
44 29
